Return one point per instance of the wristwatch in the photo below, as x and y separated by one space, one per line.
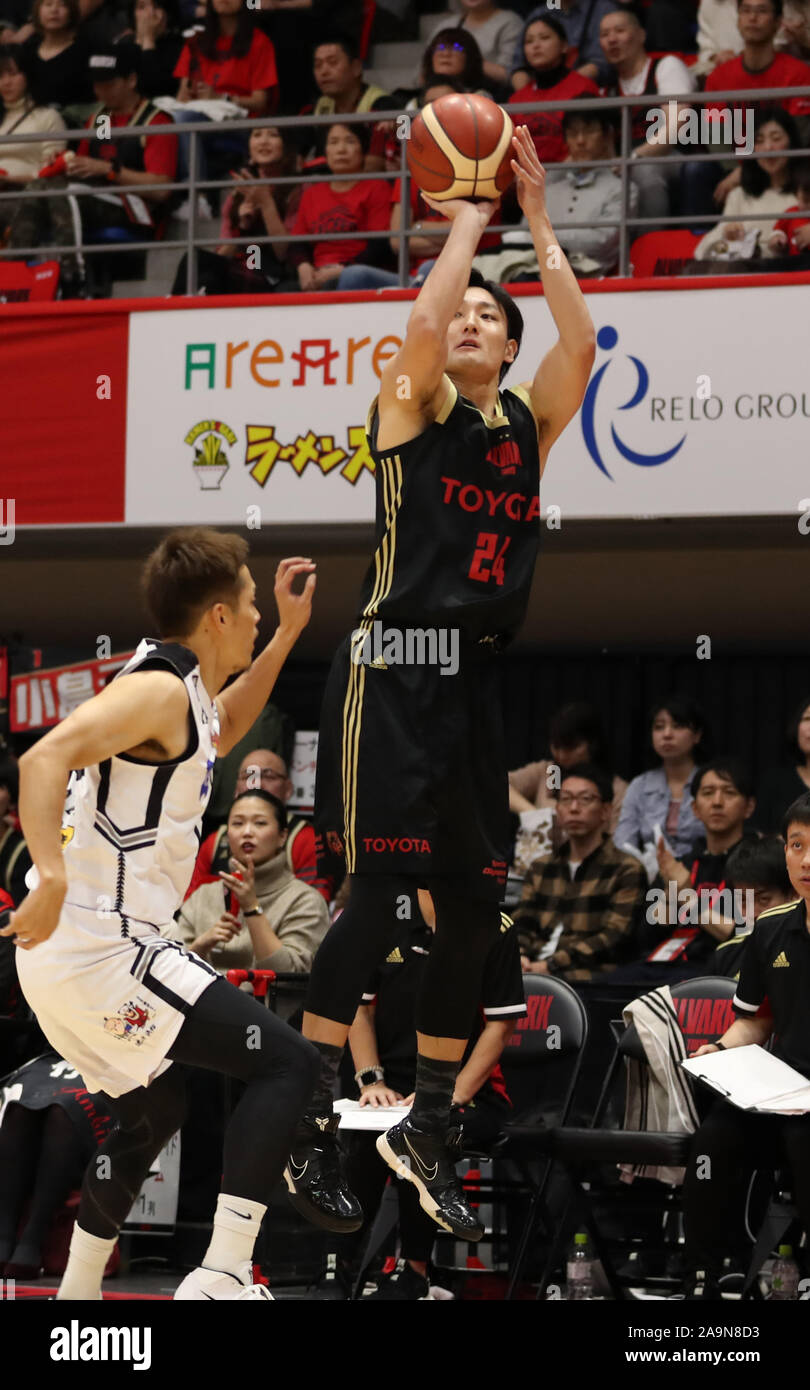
252 911
369 1076
721 1046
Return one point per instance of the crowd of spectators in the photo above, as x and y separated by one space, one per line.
63 63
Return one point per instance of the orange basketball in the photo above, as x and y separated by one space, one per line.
460 146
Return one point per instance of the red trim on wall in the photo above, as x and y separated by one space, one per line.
243 301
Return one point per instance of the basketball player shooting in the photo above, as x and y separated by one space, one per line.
412 775
116 999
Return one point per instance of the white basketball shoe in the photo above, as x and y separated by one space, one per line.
214 1285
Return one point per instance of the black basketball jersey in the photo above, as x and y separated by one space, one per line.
457 527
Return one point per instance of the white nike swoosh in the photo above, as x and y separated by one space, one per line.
293 1166
426 1174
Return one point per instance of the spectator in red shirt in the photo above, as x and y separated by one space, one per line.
346 204
759 65
109 165
791 235
265 770
545 48
230 58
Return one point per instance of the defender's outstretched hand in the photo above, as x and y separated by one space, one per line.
529 174
294 610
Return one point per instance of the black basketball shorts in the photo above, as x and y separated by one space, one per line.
411 776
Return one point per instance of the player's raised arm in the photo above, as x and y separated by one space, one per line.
561 379
413 377
241 704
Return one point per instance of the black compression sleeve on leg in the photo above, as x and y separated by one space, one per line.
145 1118
229 1032
466 929
357 943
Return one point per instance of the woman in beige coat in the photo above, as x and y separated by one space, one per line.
259 915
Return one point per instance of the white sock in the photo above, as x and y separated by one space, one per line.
236 1226
85 1267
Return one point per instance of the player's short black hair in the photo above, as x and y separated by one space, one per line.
278 806
514 318
798 813
589 772
728 765
759 864
192 568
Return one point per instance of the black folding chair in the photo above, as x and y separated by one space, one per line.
703 1009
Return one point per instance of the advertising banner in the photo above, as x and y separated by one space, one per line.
698 404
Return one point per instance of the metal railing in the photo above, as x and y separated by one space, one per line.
199 130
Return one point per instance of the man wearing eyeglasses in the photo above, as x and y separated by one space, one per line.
266 771
579 907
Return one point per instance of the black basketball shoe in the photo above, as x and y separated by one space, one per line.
428 1161
315 1184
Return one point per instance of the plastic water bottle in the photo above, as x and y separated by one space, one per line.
785 1277
579 1269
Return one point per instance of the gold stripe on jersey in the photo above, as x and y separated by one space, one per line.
352 718
774 911
385 554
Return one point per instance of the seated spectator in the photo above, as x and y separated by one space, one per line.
635 73
758 65
19 113
55 56
265 770
766 186
155 28
770 1005
50 1131
259 915
579 908
575 735
15 861
344 204
757 873
338 74
545 47
690 910
105 165
575 195
454 54
496 31
781 786
791 235
383 1047
719 39
230 58
257 211
661 799
580 20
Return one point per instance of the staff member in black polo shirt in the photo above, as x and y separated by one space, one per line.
382 1043
772 998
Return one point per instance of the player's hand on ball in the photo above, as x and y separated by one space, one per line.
38 916
294 610
451 208
530 175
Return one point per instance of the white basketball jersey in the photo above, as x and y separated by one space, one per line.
131 829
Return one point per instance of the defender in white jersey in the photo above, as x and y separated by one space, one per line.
126 779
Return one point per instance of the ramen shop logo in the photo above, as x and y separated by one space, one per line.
210 462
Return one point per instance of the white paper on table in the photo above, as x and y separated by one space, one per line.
376 1119
753 1079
